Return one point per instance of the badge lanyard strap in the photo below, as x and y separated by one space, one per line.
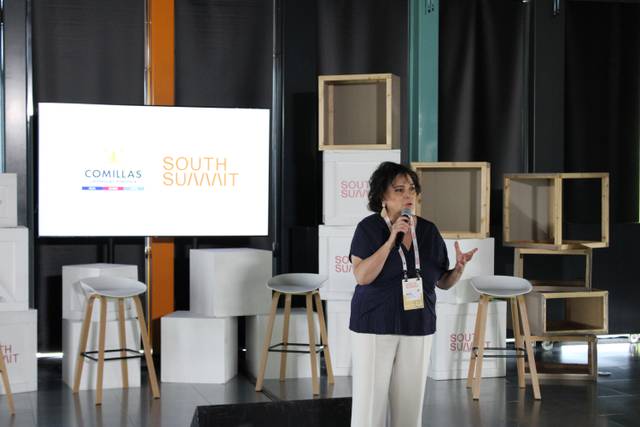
416 252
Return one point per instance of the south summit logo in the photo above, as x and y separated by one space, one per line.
199 171
112 178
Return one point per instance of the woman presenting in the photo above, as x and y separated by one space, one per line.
398 259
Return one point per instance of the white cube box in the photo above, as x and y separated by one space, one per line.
345 180
112 376
8 200
453 340
18 342
334 243
14 279
197 349
298 364
74 299
338 314
482 264
230 282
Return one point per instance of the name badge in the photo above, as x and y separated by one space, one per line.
412 294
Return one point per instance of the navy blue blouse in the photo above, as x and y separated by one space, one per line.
377 308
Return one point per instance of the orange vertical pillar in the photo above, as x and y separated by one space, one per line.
160 91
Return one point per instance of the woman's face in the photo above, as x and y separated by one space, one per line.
399 195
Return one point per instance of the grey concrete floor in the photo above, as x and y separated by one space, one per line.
614 400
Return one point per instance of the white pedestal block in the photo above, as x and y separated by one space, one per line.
197 349
334 243
18 342
74 299
14 279
453 340
298 364
346 176
8 200
230 282
481 265
338 314
112 372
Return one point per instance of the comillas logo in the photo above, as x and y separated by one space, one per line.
354 189
112 176
113 173
200 171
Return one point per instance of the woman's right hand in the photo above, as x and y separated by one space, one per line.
401 225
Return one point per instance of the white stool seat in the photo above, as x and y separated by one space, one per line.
501 286
112 286
296 283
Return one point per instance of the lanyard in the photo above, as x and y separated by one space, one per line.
416 252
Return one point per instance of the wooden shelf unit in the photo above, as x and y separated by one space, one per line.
587 253
569 371
533 211
585 311
456 197
359 111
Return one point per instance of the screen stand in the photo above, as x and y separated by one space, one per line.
147 280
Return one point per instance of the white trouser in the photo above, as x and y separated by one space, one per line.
388 369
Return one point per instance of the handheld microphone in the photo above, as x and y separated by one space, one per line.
406 212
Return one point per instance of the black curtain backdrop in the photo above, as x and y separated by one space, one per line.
224 53
363 37
88 51
602 99
85 51
481 98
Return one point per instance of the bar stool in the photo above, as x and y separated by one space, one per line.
5 383
513 289
306 284
118 288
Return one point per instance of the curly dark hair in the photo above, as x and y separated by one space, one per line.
383 177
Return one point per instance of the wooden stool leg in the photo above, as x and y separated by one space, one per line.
325 338
101 340
484 306
6 384
517 335
285 336
472 361
82 347
527 343
123 344
592 357
312 345
153 379
267 341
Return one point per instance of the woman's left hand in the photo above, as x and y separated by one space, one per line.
462 258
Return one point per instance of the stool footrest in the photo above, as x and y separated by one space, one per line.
274 348
517 350
133 354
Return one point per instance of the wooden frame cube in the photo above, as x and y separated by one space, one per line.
532 211
456 197
588 371
585 311
359 111
587 253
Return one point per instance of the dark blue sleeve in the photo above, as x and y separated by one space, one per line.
361 244
443 256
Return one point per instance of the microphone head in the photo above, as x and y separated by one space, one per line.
406 212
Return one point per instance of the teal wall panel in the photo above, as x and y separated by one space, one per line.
423 80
